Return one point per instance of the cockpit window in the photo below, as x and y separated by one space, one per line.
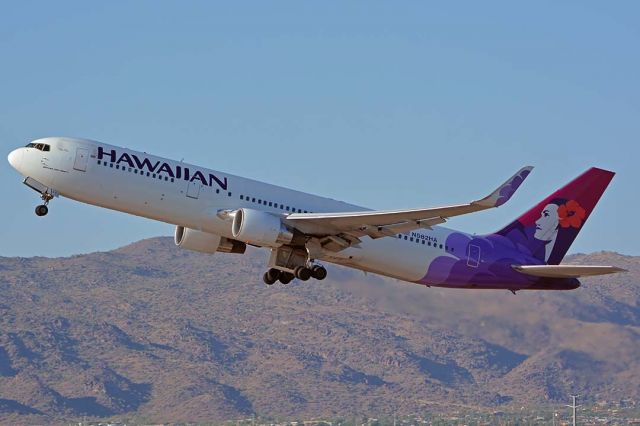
40 146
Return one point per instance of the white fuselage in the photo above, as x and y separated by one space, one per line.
191 196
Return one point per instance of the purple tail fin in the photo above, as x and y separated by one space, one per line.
548 229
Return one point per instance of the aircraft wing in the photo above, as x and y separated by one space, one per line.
566 271
388 223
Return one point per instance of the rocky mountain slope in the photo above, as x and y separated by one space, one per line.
162 334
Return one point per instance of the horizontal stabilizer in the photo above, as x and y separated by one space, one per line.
566 271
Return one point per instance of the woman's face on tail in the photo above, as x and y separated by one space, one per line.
547 225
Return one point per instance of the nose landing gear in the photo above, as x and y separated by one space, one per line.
42 209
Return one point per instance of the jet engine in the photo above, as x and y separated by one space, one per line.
261 228
205 242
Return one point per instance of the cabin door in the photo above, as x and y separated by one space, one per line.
82 157
473 256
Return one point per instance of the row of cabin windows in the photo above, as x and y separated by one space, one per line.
136 171
142 173
272 204
167 178
425 242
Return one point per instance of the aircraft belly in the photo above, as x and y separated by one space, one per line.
388 256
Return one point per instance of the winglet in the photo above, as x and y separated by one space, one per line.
504 192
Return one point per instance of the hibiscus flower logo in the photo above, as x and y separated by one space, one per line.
571 214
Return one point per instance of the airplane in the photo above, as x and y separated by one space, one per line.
215 211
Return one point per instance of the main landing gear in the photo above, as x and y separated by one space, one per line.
287 263
42 209
273 275
301 272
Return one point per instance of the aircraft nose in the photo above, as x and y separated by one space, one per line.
15 158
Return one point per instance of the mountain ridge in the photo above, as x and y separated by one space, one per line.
152 331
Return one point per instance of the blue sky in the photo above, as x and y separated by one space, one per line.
384 104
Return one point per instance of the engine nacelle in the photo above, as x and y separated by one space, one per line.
205 242
260 228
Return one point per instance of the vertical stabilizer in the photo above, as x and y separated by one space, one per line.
548 229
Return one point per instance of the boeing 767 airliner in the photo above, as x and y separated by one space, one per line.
217 212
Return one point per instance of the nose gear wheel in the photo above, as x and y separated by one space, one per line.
42 209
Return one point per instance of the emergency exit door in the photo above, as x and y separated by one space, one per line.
193 189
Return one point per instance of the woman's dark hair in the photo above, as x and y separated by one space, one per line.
523 237
564 238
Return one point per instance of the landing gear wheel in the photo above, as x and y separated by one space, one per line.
302 273
268 279
285 278
319 272
273 274
42 210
